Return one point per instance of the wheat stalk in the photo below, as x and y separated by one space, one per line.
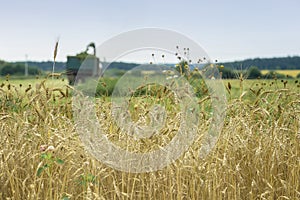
54 56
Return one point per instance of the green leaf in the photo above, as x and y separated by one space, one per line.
49 156
43 155
65 198
41 169
46 156
90 178
59 161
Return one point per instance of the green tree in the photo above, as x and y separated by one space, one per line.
7 69
254 72
33 71
17 69
227 73
273 75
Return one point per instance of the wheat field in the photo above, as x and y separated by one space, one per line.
291 73
256 157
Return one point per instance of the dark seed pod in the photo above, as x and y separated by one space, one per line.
229 86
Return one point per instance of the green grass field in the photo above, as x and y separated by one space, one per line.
256 156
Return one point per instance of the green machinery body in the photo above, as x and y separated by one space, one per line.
87 64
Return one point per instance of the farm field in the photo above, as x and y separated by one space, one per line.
292 73
257 155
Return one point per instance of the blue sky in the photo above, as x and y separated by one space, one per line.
227 30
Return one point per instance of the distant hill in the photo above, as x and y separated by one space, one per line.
61 66
262 63
267 63
120 65
46 65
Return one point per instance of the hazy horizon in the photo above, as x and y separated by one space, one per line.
129 61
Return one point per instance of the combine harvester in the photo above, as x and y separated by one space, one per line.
90 63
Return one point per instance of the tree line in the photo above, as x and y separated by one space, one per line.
251 73
17 69
252 66
267 63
